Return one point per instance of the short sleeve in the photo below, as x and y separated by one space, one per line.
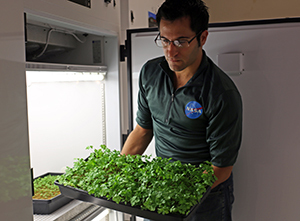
143 116
224 130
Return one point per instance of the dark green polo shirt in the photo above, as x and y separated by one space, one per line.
197 122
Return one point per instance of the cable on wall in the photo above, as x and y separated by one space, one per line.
60 31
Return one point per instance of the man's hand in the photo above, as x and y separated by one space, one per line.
137 141
222 173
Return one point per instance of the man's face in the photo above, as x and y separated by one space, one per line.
180 58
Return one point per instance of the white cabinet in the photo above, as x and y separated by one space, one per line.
15 187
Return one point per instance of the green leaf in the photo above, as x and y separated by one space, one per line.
156 185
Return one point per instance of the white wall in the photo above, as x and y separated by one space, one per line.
236 10
64 118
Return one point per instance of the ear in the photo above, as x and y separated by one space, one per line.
203 37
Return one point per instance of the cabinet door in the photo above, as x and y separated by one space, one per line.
15 178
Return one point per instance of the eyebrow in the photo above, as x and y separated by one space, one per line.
176 38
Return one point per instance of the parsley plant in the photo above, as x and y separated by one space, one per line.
44 187
156 185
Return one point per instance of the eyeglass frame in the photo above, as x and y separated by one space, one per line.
169 42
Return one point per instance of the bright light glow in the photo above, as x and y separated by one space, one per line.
55 76
102 215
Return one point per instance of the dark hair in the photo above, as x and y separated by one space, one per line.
171 10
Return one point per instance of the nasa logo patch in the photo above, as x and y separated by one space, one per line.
193 110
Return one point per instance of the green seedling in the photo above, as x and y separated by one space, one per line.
156 185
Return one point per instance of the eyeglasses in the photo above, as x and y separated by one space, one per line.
180 43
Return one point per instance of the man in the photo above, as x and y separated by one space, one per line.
191 107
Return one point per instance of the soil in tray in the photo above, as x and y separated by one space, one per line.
44 188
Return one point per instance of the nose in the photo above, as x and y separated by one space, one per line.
171 50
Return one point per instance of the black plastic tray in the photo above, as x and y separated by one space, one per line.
137 211
49 206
